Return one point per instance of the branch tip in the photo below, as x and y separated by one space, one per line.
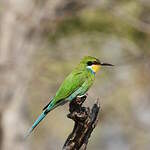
85 120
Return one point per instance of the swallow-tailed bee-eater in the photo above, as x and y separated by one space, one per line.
77 83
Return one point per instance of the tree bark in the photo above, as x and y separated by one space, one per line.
85 121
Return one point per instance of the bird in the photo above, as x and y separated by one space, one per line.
77 83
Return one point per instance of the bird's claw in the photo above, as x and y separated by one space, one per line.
82 96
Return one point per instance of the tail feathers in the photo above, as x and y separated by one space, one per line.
46 105
46 110
39 119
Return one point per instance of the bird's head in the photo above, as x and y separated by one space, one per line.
93 64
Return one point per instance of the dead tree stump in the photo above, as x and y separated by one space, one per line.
85 121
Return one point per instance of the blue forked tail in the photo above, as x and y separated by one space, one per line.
38 120
50 106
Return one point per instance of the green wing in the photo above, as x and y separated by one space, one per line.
70 85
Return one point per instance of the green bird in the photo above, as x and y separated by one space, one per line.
77 83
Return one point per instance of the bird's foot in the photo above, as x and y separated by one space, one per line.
80 99
82 96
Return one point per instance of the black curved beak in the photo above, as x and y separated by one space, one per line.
106 64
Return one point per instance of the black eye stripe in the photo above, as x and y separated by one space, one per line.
89 63
96 63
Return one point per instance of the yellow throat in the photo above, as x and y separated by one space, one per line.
95 68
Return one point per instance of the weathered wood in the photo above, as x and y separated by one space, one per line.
85 121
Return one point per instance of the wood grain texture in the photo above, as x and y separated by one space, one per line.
85 120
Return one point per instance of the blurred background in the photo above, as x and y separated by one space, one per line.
42 41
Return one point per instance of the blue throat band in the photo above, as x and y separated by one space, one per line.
89 68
